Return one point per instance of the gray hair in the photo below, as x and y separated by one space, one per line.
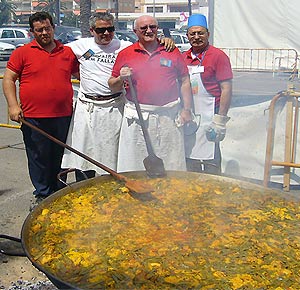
105 16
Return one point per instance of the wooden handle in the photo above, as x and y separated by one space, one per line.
139 112
102 166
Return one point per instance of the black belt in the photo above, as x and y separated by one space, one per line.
102 98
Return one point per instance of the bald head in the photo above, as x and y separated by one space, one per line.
144 19
145 27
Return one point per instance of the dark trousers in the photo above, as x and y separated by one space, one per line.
212 166
43 155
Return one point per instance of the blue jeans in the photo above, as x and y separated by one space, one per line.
43 155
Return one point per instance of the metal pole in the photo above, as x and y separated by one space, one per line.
190 7
58 12
153 8
117 14
211 24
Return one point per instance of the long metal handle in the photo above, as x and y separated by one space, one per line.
21 253
139 112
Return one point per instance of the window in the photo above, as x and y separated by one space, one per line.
8 34
19 34
185 39
158 9
177 39
181 8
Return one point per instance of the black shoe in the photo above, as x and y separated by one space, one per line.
36 201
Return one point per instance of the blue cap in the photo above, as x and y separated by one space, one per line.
197 20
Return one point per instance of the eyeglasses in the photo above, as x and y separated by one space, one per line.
99 30
152 27
40 30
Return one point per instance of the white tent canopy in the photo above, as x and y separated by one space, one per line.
255 23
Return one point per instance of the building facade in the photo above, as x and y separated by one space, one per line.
171 14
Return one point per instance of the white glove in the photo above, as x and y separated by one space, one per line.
216 131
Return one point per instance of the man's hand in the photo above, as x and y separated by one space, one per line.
117 84
15 113
125 72
168 43
216 131
186 116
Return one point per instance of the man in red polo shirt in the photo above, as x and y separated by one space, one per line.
160 78
44 68
211 80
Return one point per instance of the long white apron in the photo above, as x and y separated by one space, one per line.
166 138
196 145
94 131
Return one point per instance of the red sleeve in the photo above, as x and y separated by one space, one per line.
223 69
118 65
75 66
15 61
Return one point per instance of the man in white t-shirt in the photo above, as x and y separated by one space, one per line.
97 116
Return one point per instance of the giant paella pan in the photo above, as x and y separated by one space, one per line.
195 231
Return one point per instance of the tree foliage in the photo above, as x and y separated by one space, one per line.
7 11
70 19
85 13
51 6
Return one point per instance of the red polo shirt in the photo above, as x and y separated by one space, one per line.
45 79
217 68
154 76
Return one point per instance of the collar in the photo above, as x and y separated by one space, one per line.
58 47
192 55
137 47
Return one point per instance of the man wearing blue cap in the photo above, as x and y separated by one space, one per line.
211 80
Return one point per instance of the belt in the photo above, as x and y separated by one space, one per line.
102 98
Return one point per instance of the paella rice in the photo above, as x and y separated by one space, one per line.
191 234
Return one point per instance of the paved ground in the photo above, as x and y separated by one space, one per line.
15 195
16 189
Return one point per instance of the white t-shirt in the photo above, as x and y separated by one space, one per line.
96 63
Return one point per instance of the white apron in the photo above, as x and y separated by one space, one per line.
196 145
94 131
166 138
